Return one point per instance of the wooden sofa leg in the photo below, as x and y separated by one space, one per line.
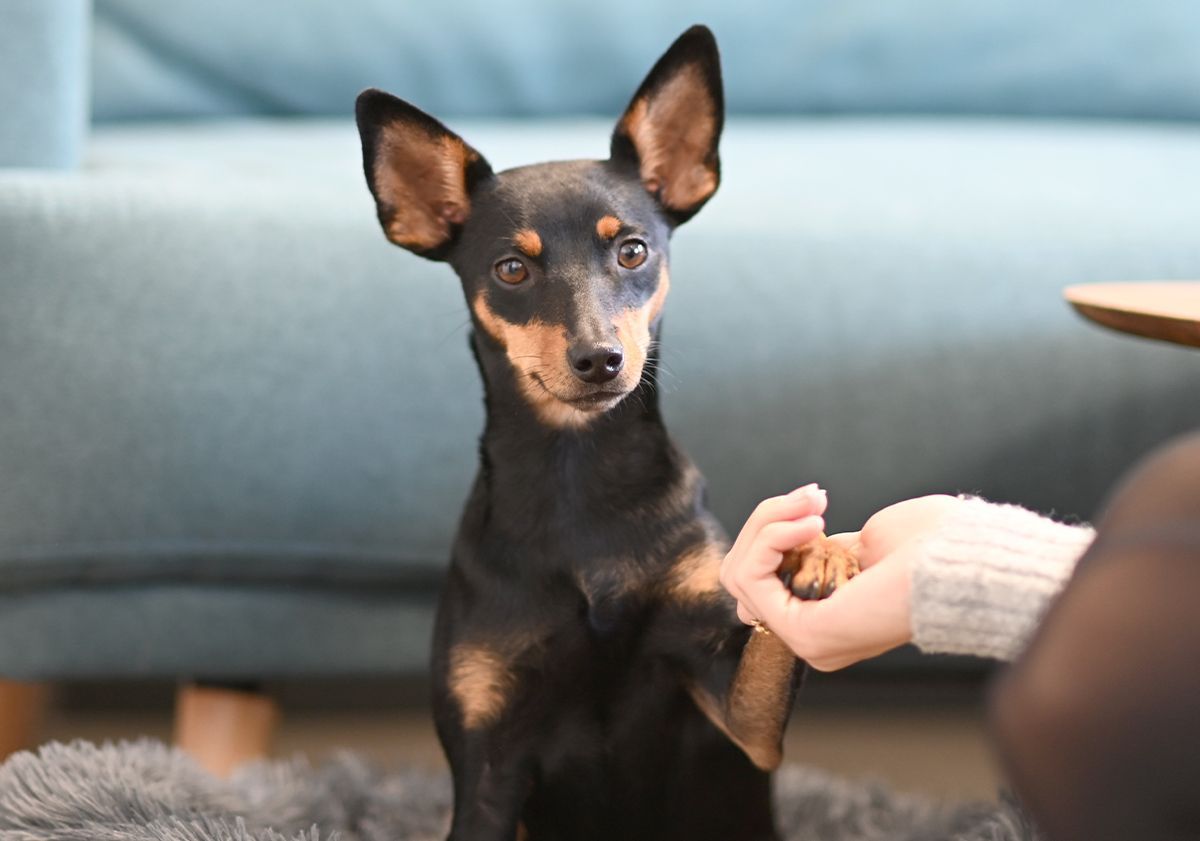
223 727
22 707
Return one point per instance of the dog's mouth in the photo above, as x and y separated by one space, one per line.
594 400
599 400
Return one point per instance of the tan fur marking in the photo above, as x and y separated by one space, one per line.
755 712
608 227
672 131
633 326
760 699
528 242
537 352
696 575
421 184
481 681
655 306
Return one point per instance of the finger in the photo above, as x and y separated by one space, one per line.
745 614
728 574
766 553
732 571
760 562
797 504
801 502
767 590
789 534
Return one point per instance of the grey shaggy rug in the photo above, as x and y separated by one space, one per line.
144 791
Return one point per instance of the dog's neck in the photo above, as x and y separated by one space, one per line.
620 458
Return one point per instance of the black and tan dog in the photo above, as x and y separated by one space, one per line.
592 679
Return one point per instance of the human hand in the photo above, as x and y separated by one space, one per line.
865 617
750 570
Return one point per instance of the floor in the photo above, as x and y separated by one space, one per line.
934 743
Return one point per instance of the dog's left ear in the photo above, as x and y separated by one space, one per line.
672 126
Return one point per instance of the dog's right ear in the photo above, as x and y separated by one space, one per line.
420 173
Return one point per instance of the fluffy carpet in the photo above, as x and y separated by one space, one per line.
144 791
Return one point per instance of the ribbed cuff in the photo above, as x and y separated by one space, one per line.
983 582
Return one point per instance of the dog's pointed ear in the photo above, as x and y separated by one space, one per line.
672 126
420 173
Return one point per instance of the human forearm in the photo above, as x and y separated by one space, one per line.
986 576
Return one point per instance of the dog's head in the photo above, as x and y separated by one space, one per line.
564 265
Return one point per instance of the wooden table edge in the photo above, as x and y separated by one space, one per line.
1149 325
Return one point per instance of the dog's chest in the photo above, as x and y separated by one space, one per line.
616 598
632 597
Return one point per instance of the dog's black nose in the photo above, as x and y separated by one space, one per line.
596 363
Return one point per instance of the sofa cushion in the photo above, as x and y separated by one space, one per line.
214 368
533 57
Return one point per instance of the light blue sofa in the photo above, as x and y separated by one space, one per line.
236 425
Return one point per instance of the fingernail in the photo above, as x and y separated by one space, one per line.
804 490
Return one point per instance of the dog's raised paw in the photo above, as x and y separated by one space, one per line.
817 569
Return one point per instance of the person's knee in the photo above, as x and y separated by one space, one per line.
1046 730
1162 489
1108 625
1085 716
1038 718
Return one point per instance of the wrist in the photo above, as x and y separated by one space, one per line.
983 579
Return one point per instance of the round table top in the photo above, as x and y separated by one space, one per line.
1166 310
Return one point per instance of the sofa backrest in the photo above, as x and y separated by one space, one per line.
1096 58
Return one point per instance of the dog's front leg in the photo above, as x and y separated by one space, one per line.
480 704
491 785
754 710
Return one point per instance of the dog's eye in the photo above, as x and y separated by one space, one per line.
632 253
511 271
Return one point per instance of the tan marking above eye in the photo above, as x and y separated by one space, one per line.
528 242
608 227
512 271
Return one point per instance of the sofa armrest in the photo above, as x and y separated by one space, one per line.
43 82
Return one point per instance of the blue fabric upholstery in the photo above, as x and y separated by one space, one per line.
43 82
531 57
238 425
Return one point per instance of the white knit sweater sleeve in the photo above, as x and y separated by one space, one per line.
987 576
